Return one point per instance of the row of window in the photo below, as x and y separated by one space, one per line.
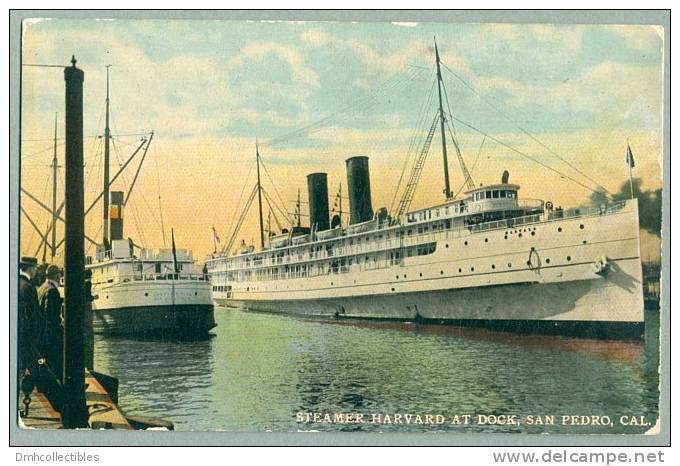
495 194
441 272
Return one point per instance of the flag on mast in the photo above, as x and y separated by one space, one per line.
631 163
629 157
174 252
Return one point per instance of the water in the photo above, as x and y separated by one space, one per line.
260 370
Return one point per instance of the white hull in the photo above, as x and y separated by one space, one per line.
482 276
153 306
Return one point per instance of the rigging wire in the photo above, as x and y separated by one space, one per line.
283 204
523 154
135 214
416 139
479 152
535 139
271 210
240 198
42 151
270 201
397 80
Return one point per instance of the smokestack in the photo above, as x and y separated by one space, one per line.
74 413
359 184
116 215
317 189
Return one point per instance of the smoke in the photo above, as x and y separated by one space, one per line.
649 204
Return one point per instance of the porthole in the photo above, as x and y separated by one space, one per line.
533 233
392 289
568 258
584 241
146 294
331 283
472 269
493 266
421 274
447 245
509 264
404 275
486 240
441 272
581 226
559 229
505 237
520 235
547 261
465 243
460 270
397 277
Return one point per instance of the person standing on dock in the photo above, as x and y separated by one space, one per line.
51 304
30 319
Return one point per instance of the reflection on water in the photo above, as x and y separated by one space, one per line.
260 370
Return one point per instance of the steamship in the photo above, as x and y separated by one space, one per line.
141 291
488 258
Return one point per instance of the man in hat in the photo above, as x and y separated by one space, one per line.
50 302
30 319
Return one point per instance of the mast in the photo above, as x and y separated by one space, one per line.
299 212
107 137
340 196
259 195
53 246
447 186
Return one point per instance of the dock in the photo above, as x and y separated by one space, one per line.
103 412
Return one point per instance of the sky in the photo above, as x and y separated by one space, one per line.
312 94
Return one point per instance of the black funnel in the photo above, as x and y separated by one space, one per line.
317 190
359 184
116 215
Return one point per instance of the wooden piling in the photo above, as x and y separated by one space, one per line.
75 412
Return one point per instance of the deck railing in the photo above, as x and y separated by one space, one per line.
398 242
137 277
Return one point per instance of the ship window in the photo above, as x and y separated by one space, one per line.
437 213
158 267
512 194
504 193
488 194
495 194
446 211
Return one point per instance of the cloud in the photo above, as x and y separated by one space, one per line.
292 56
568 38
641 38
315 37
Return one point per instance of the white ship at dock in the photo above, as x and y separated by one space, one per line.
153 292
487 259
143 291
